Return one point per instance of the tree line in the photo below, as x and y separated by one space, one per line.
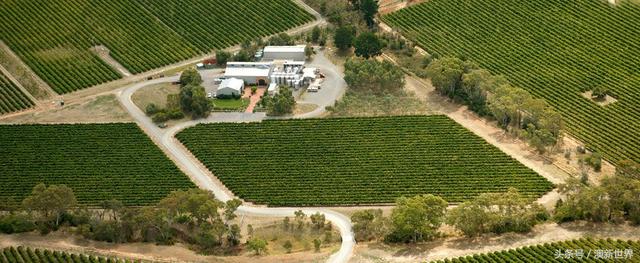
515 109
193 217
419 218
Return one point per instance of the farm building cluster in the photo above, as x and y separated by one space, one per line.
278 65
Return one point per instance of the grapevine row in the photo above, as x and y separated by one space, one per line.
578 250
55 37
555 49
348 161
22 254
98 161
11 97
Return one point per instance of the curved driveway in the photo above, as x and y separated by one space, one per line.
201 176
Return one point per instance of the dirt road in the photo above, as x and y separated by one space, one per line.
205 180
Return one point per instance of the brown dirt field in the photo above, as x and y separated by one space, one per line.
156 94
100 109
302 108
606 101
460 246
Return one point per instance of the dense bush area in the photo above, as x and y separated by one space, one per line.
98 161
193 217
356 160
11 97
616 200
419 218
140 34
554 49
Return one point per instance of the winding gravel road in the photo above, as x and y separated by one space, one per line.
165 138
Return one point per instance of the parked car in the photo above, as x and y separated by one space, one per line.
312 89
210 95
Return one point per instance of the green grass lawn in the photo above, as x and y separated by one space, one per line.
230 104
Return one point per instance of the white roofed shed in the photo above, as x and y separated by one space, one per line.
284 53
251 73
230 87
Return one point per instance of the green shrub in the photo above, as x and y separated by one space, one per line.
16 223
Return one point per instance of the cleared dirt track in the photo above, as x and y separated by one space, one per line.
205 180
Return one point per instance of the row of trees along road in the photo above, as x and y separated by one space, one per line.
419 218
514 108
615 200
193 217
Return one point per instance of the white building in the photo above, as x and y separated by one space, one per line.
252 73
288 73
271 53
230 87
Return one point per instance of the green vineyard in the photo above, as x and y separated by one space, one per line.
11 97
55 37
98 161
347 161
555 49
22 254
220 24
579 250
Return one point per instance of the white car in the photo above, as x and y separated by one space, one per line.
210 95
312 89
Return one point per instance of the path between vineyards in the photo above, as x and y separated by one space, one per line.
202 177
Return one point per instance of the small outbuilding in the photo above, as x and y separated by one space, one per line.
296 53
231 87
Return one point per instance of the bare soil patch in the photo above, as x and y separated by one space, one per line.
156 94
602 102
390 6
100 109
302 108
104 53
